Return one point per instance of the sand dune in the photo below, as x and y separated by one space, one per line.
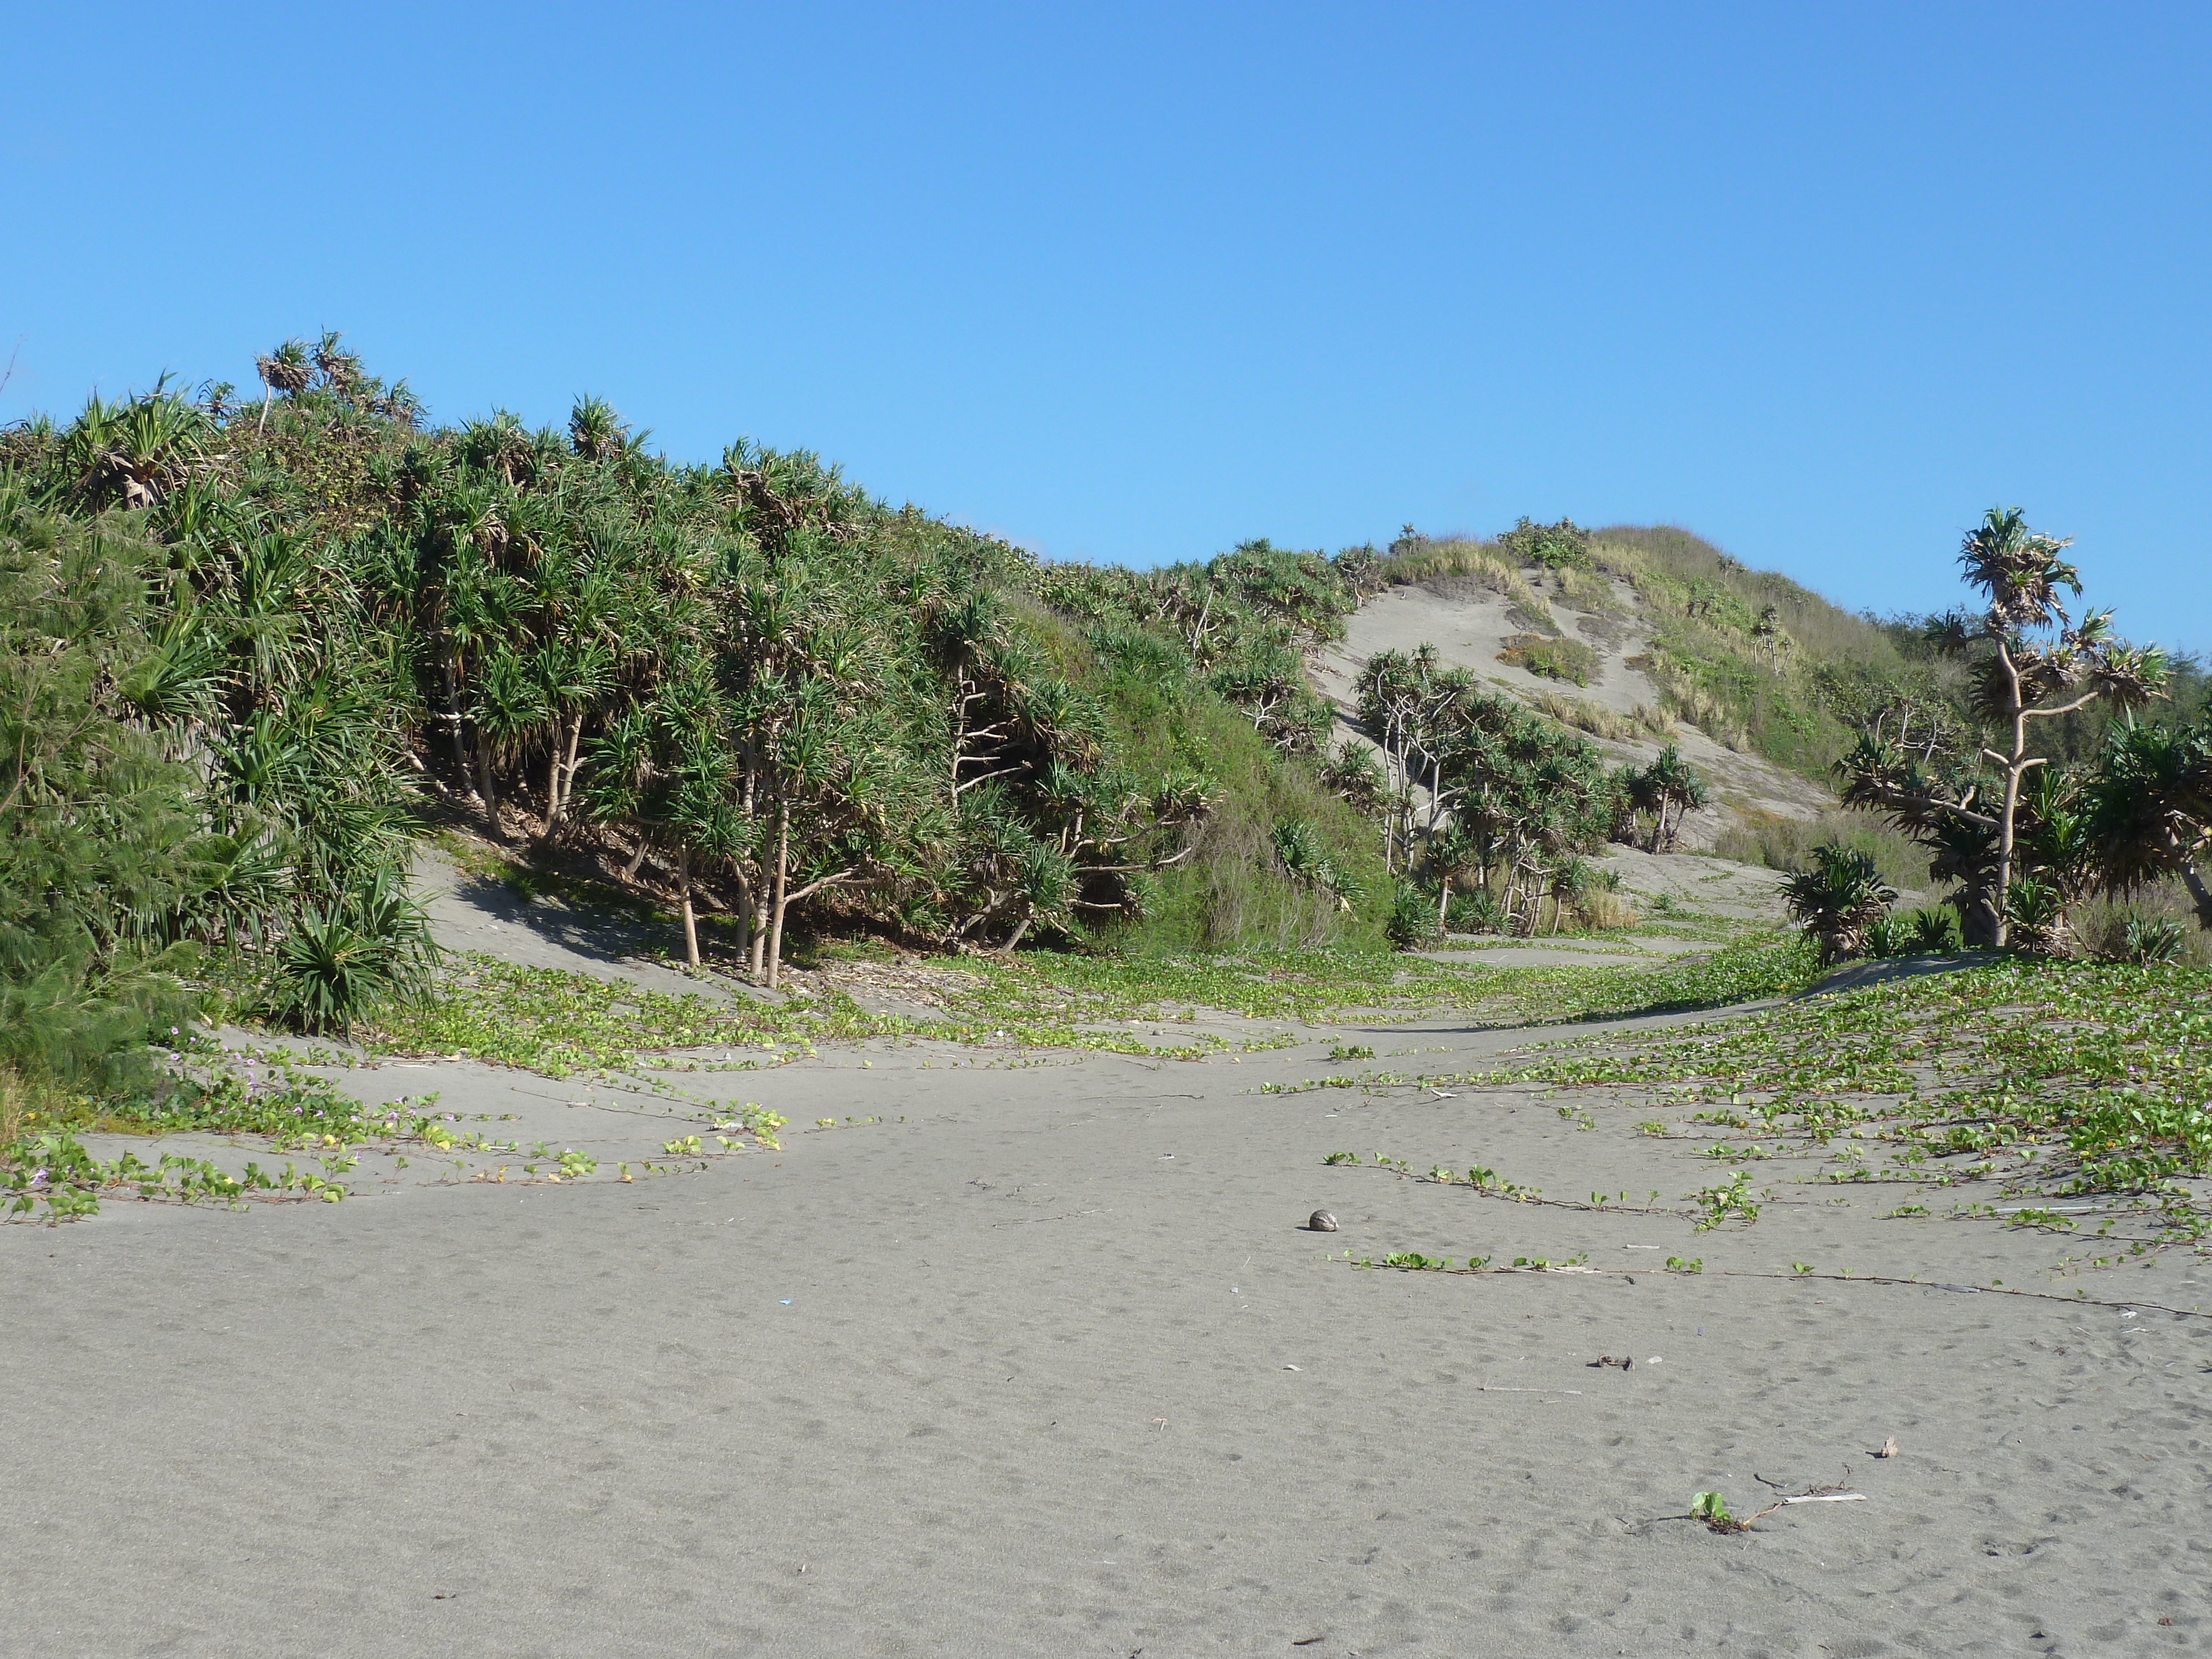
1048 1367
1469 625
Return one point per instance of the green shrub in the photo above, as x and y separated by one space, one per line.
1552 545
1477 912
1551 658
1935 929
2118 929
1413 920
349 960
1841 901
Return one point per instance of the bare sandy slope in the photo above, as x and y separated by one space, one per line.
1043 1364
470 912
1469 625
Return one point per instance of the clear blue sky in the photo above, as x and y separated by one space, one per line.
1135 282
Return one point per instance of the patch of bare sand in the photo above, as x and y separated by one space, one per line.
1048 1367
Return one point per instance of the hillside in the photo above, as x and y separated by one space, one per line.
258 648
1616 702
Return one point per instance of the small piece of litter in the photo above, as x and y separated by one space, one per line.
1290 1368
786 1302
1828 1498
1653 1360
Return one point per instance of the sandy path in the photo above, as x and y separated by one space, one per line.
1014 1377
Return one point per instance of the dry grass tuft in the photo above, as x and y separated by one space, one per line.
1644 720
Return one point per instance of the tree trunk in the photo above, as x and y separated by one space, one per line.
449 672
487 786
782 872
2200 891
553 785
745 911
2010 814
690 918
637 859
561 774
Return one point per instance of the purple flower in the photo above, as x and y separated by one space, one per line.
38 1176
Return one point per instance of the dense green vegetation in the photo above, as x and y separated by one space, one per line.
253 649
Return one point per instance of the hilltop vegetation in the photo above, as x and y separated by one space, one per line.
1760 661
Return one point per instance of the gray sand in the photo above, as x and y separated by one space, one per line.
1049 1368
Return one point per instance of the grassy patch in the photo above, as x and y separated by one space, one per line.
1551 658
2029 1080
1781 843
558 1023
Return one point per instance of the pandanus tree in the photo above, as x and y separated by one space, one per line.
1452 854
134 452
2031 663
2041 664
1307 859
662 769
1840 899
1669 789
287 370
2149 805
1413 707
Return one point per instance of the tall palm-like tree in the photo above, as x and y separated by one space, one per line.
286 369
2034 663
1670 789
2027 677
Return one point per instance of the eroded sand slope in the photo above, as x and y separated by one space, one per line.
1469 625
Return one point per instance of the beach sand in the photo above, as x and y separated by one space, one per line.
1044 1362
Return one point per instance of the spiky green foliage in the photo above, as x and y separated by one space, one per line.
1840 901
1668 790
104 861
2005 813
750 688
1476 783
